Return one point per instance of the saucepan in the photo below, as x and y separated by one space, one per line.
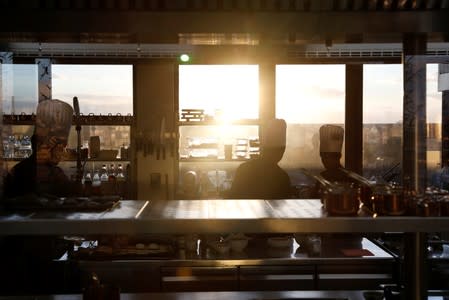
383 199
339 198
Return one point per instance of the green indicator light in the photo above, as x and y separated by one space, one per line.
184 57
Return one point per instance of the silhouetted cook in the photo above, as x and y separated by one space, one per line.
331 142
29 262
262 178
39 174
190 186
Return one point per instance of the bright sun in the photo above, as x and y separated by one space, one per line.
226 92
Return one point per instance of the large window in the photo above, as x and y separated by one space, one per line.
19 94
308 96
382 121
219 106
101 90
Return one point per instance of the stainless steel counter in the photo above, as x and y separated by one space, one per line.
258 267
281 295
210 216
225 216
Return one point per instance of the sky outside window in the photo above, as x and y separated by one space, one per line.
101 89
434 109
20 88
310 94
229 90
382 94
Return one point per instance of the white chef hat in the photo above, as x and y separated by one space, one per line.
273 133
331 138
53 119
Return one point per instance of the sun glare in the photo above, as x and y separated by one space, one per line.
225 92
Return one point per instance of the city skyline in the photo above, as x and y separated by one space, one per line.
305 94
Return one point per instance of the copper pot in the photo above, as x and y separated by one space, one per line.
338 198
395 204
366 196
429 208
388 200
341 199
445 207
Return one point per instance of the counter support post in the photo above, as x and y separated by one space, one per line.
415 266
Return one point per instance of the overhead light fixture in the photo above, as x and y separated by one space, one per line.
184 58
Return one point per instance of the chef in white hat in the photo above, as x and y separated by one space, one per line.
34 178
39 173
262 178
331 142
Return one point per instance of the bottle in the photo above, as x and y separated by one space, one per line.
96 183
87 183
120 176
112 174
120 180
104 174
124 152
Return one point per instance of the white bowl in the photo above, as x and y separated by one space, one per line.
238 245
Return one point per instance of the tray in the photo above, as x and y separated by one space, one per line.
149 251
70 204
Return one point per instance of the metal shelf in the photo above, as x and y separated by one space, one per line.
27 119
212 160
72 160
218 123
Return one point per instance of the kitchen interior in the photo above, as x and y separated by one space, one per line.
156 155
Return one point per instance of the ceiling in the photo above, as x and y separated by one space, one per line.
221 22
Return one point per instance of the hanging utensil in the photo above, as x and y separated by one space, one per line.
151 143
172 143
79 167
357 177
162 137
324 182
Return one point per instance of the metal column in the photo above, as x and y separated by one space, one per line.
414 115
415 265
414 156
445 129
354 118
267 90
44 78
5 93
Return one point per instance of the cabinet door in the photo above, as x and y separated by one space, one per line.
199 278
130 276
253 278
354 276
